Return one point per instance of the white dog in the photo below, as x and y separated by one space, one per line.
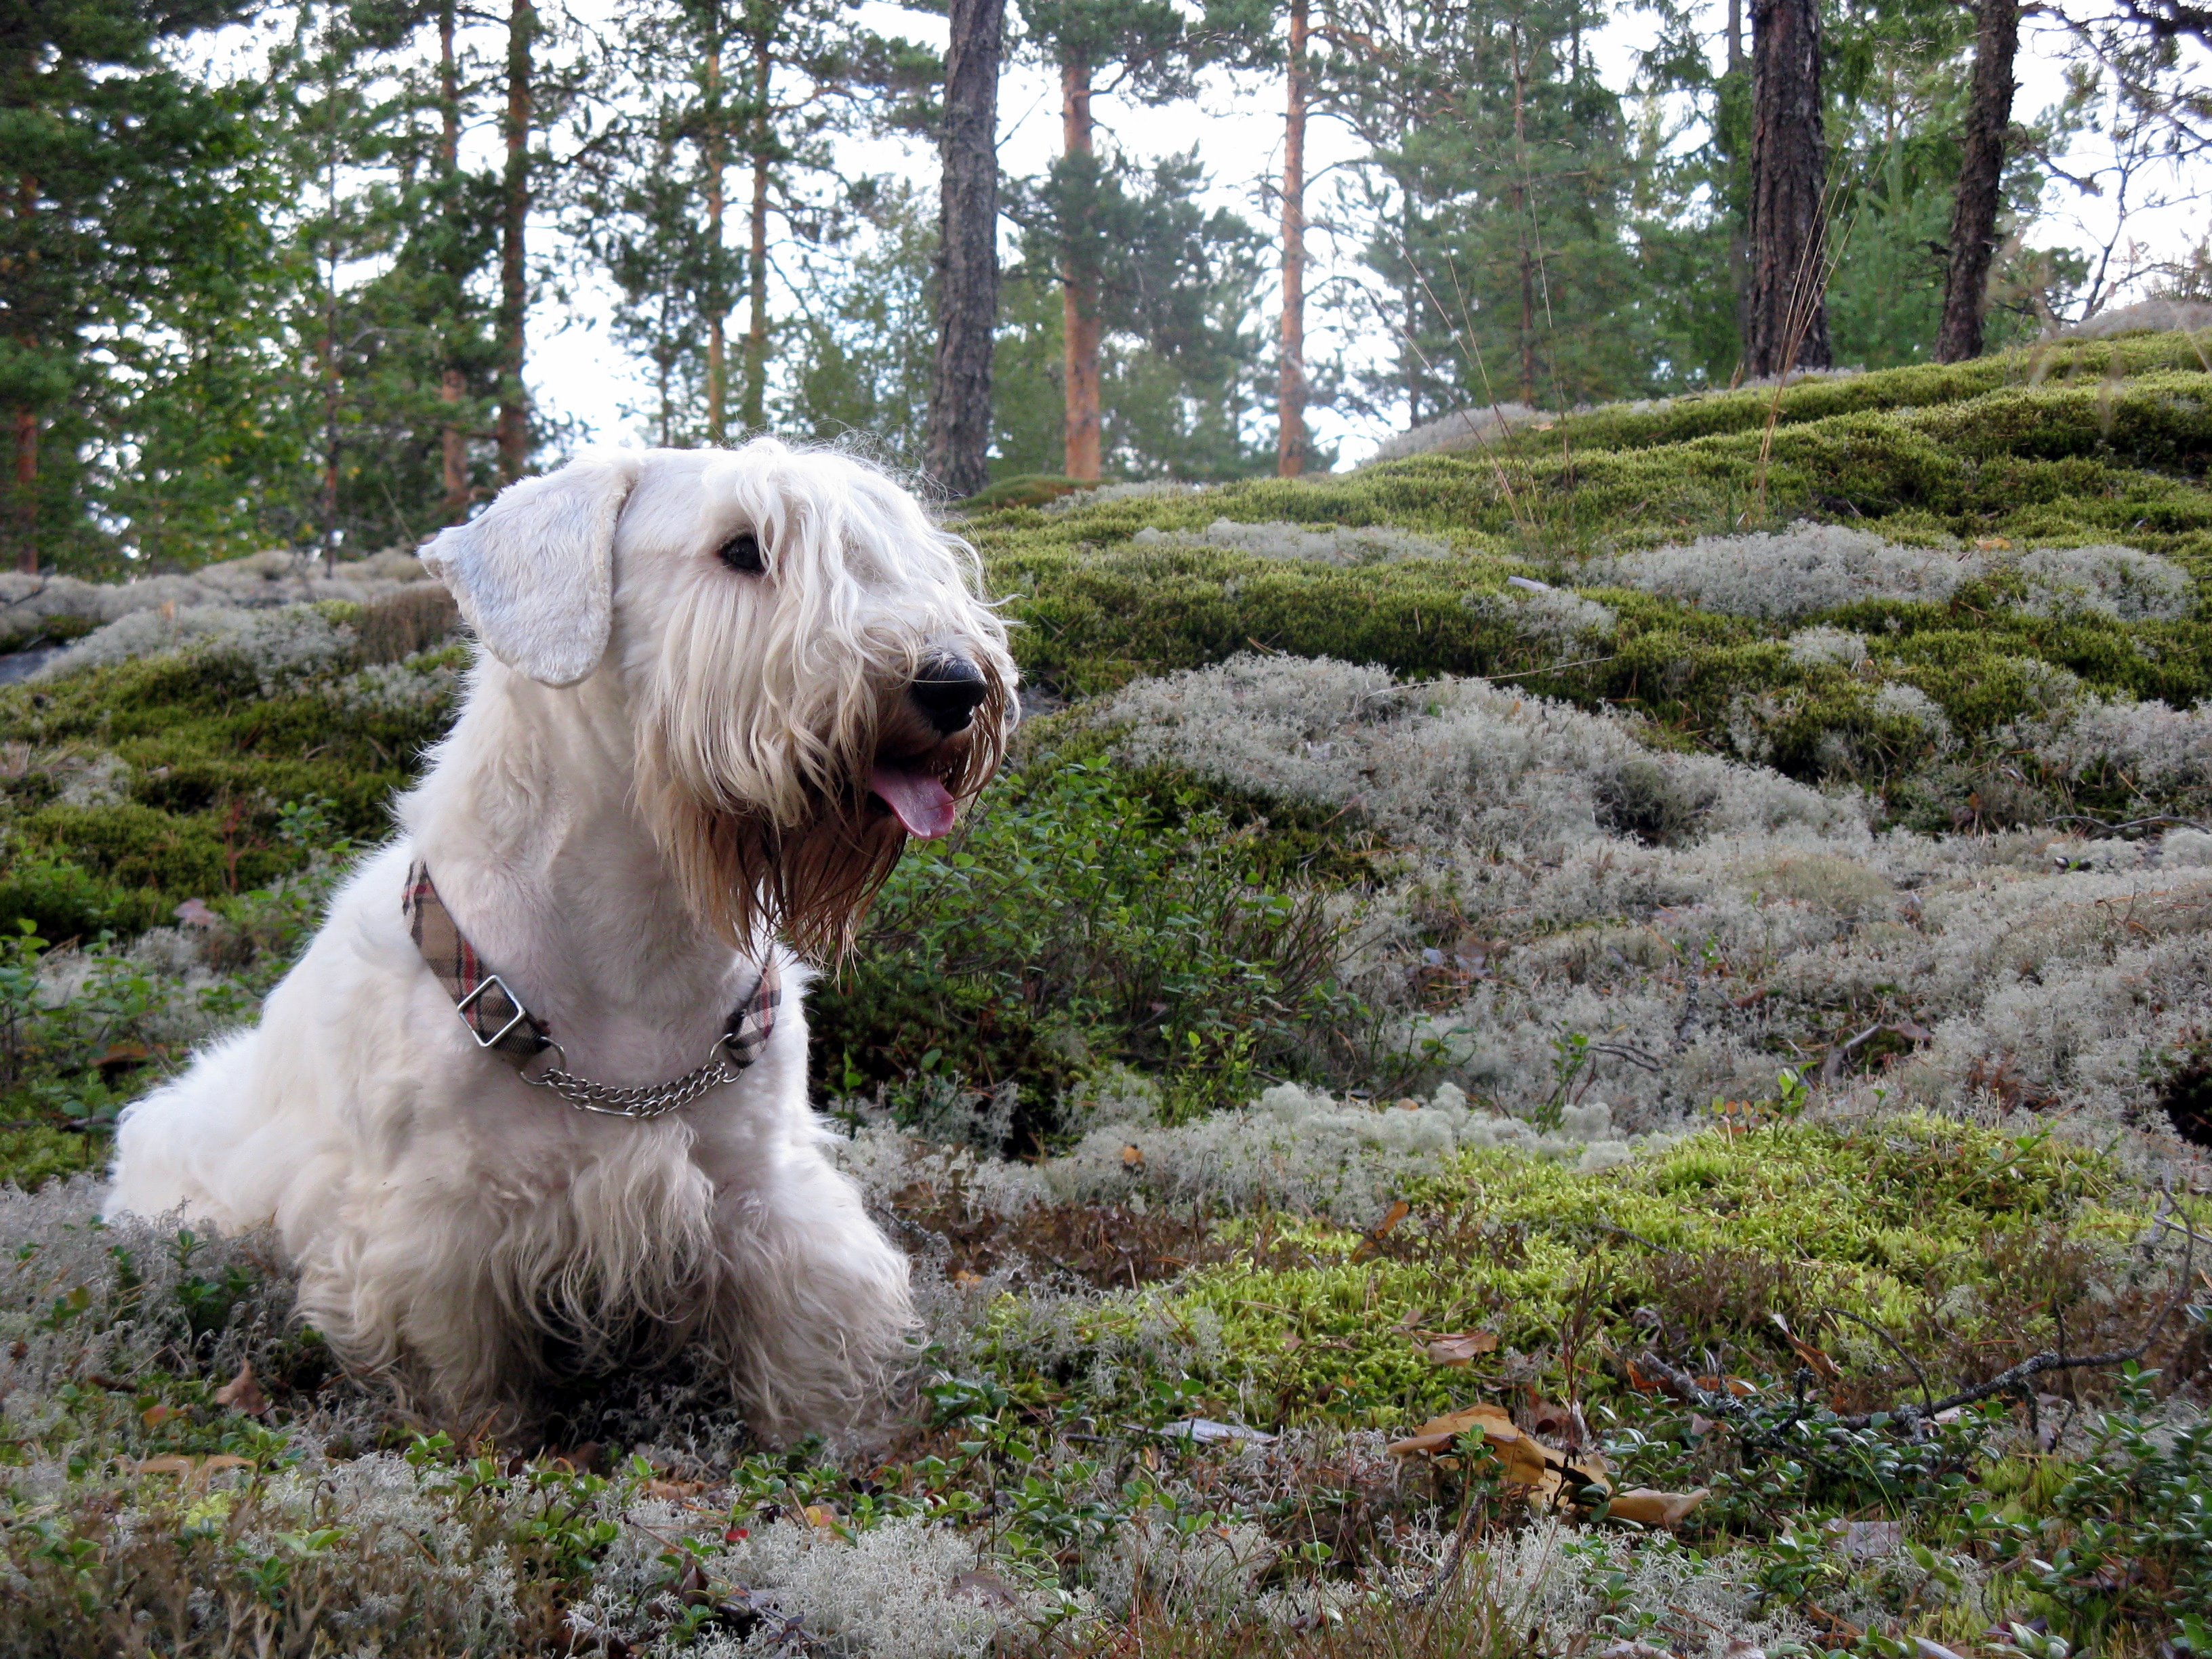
716 692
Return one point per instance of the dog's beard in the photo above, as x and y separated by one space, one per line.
810 877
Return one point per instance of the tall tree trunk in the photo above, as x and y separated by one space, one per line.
453 378
1788 177
26 504
1080 292
1981 180
1739 248
1521 226
718 370
1291 392
958 451
330 352
514 262
756 254
23 508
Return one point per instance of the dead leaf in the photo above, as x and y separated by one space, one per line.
1554 1474
674 1489
1293 1342
154 1416
1438 1432
964 1276
1640 1382
243 1393
1522 1458
1382 1229
1735 1385
1818 1363
1993 545
1133 1157
170 1465
125 1053
1459 1347
1647 1508
821 1517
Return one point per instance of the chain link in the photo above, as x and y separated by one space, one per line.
647 1100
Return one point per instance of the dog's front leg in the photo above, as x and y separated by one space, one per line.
815 1309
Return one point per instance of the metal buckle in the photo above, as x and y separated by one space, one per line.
522 1013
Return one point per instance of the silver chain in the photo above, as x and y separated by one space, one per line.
647 1100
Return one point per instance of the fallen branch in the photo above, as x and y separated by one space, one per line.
2157 819
2014 1380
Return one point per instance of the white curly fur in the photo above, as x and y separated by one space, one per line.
448 1220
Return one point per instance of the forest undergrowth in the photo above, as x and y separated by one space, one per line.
1597 1046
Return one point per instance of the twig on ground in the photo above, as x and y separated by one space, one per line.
2132 823
1722 1405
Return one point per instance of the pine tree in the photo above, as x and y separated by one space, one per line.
118 172
704 89
1151 50
1495 196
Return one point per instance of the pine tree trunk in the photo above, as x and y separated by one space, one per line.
1409 354
514 260
26 504
1079 294
452 379
23 507
718 370
330 351
1739 244
756 410
1290 392
1521 227
957 451
1788 313
1981 181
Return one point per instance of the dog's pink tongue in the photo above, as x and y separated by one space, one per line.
923 804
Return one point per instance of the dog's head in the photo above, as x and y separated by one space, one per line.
811 670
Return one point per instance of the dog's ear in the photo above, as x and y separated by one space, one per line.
534 571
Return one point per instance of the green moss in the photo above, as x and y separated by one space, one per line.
1883 1223
31 1154
209 760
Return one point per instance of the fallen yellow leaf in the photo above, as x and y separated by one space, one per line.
1647 1508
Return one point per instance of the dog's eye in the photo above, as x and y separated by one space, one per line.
742 553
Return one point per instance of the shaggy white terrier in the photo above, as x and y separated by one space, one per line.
716 692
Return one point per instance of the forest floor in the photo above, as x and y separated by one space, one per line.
1602 1045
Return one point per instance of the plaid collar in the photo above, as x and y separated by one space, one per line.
496 1016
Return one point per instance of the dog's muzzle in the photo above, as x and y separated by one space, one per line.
946 693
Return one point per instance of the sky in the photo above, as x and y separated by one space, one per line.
1236 122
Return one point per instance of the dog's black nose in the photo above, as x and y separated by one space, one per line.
948 692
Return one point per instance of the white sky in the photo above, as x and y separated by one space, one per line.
1236 122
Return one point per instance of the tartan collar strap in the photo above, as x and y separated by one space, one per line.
500 1022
